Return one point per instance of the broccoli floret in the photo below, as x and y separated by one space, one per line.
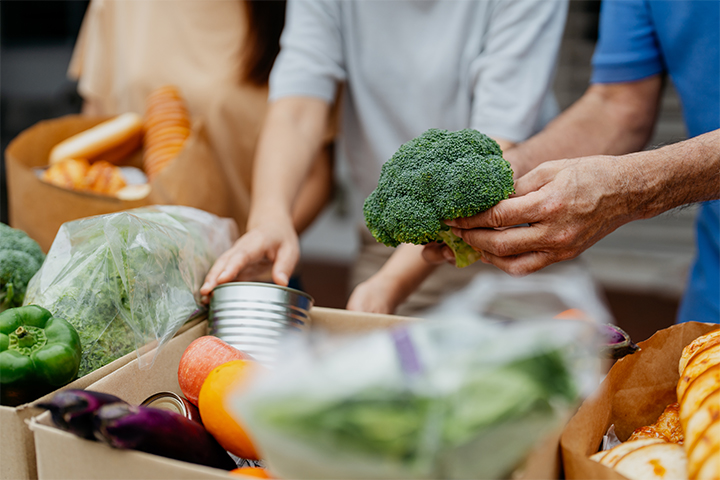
16 270
437 176
20 258
14 239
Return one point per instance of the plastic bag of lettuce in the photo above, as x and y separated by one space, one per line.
130 278
446 399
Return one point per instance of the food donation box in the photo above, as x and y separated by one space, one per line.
62 455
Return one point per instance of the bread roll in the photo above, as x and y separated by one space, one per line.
698 344
616 453
667 427
111 141
698 364
710 470
104 177
658 461
69 173
703 448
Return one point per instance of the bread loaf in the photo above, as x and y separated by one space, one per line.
111 141
699 395
167 127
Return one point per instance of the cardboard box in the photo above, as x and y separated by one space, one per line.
193 179
17 447
635 392
61 455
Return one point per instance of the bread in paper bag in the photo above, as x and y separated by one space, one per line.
698 392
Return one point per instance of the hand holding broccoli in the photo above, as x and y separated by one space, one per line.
437 176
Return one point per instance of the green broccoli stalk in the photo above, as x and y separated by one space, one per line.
437 176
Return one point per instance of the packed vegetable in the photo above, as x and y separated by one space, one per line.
20 258
38 354
130 278
152 430
450 399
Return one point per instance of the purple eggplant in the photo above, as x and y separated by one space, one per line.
617 343
160 432
73 410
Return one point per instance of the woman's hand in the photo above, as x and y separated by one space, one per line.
273 242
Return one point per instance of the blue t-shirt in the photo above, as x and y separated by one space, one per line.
641 38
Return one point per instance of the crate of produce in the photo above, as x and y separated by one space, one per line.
65 455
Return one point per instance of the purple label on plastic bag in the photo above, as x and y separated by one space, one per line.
409 360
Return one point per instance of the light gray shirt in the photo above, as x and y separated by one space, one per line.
410 65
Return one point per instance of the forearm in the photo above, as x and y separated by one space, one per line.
315 192
609 119
678 174
291 138
403 272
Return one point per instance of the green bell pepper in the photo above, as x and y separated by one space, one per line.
38 354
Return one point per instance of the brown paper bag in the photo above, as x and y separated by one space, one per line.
193 179
634 394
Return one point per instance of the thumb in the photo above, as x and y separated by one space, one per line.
536 179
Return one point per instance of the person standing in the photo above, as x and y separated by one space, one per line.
570 204
406 66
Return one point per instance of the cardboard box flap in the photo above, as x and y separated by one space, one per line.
121 465
634 394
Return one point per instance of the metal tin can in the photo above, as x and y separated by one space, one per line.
253 317
173 402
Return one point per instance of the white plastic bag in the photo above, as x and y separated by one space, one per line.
456 398
130 278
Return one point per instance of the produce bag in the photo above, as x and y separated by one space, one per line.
457 398
130 278
494 294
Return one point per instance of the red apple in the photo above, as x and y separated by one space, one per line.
199 359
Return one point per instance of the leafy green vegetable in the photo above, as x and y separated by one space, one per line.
123 280
437 176
396 426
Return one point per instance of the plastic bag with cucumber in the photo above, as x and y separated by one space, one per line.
434 399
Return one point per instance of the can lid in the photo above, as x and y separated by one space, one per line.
268 286
165 399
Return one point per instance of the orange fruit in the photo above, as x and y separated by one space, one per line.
213 402
251 472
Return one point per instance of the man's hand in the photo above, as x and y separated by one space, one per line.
568 204
273 243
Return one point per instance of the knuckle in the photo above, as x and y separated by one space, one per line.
501 248
496 217
516 270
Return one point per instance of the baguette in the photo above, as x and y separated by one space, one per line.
111 141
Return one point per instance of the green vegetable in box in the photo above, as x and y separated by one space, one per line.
130 278
39 353
20 258
436 399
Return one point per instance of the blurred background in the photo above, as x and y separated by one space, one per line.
641 268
